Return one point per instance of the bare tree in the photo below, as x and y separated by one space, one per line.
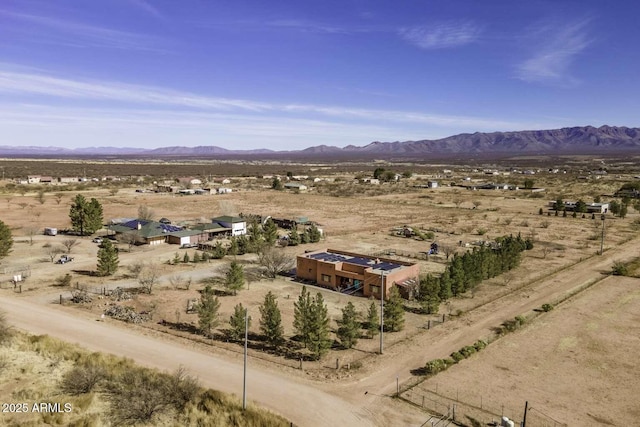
136 268
145 213
274 261
476 204
23 205
131 238
53 251
457 201
113 191
40 197
149 277
31 231
176 281
58 197
70 244
447 250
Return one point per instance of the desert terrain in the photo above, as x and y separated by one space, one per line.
556 361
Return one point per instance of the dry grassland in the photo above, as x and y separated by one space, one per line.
358 218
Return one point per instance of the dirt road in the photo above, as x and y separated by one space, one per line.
301 403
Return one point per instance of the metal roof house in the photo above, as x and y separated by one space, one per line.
351 272
149 232
237 225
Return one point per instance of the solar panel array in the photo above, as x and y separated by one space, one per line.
367 262
167 228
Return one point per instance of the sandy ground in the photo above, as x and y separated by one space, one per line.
353 224
576 364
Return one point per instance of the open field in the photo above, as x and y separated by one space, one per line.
575 365
358 218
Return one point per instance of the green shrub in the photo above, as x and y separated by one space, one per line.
456 356
547 307
520 320
619 269
479 345
467 351
436 365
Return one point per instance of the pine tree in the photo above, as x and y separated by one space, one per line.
6 241
86 217
314 234
270 231
319 341
271 321
237 323
196 257
185 258
234 279
294 236
373 321
428 294
276 184
394 312
302 316
349 327
208 310
107 259
233 246
445 286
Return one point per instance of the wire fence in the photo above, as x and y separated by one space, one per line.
468 408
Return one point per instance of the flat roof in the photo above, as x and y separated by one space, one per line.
357 260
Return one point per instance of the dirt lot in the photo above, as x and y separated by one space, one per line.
575 364
563 257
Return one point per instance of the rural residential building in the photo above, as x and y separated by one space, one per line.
432 184
146 232
295 186
352 272
237 225
33 179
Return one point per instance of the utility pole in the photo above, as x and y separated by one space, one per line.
381 311
602 235
244 380
526 408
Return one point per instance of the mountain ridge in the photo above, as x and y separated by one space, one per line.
571 140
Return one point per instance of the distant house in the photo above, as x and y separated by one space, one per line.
226 181
432 184
372 181
33 179
295 186
212 230
188 181
68 179
224 190
147 232
46 180
237 225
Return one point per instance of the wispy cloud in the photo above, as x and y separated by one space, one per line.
556 46
441 35
40 107
78 34
147 7
313 27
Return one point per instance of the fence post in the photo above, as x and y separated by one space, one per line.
60 299
429 324
301 363
443 318
20 288
423 400
337 363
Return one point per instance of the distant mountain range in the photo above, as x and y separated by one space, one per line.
574 140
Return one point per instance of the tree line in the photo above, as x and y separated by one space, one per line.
465 272
311 322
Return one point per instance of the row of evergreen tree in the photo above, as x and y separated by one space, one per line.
311 321
465 272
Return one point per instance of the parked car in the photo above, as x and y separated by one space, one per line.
64 259
97 240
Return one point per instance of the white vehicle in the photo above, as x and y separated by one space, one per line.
97 240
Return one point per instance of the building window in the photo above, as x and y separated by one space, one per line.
375 289
326 278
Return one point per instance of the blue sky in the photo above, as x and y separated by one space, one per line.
292 74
